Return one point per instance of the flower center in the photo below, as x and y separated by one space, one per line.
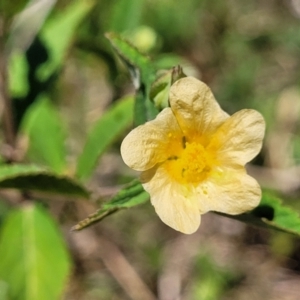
191 165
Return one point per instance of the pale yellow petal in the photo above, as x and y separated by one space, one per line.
229 191
195 107
145 146
239 139
175 204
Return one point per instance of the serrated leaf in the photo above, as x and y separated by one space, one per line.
58 32
130 196
34 260
272 214
283 217
31 177
142 73
104 132
133 59
45 130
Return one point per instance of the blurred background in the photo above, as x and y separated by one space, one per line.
247 52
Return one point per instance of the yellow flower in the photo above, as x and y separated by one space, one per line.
192 157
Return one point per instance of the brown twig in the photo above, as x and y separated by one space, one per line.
115 262
123 271
179 255
8 119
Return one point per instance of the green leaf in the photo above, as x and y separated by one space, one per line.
130 196
272 214
58 32
104 132
31 177
45 130
121 21
142 73
139 64
17 72
4 209
34 260
275 214
3 290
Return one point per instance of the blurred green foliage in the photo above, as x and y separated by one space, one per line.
68 116
36 178
34 260
116 119
42 120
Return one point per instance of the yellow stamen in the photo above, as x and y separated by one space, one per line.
190 165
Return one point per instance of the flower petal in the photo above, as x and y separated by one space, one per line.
239 139
229 191
175 204
195 107
145 146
